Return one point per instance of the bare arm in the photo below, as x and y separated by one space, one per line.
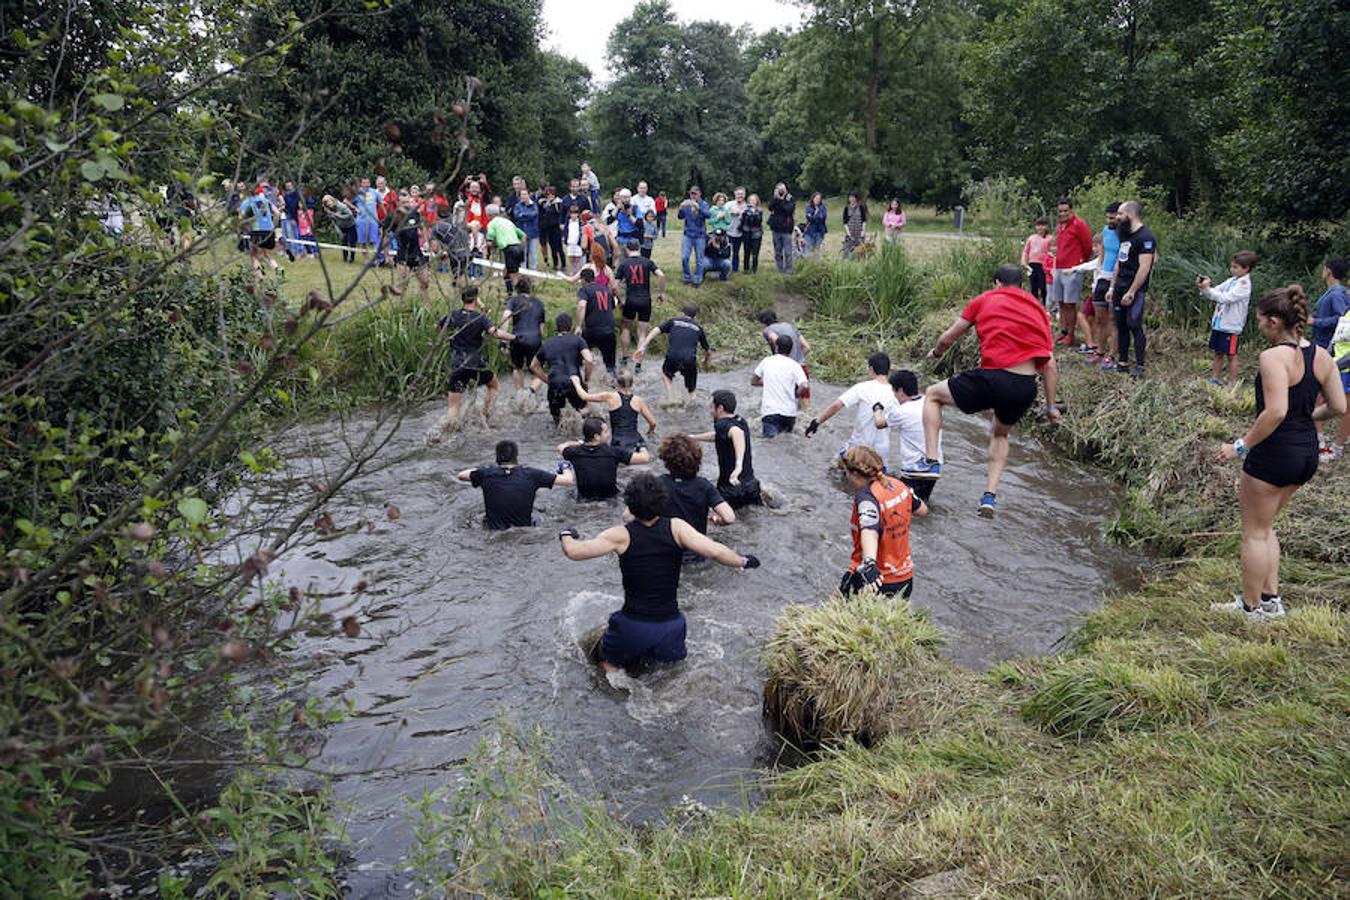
829 412
537 369
566 478
723 514
464 475
581 316
687 536
599 397
704 436
565 444
646 412
1275 390
640 457
1333 394
1145 266
738 447
611 540
949 337
756 381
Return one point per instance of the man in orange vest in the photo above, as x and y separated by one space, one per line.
882 509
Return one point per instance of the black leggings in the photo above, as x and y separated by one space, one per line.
555 248
752 253
605 343
348 240
1130 324
1037 281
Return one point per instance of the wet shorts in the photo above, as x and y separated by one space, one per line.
1008 394
638 310
1281 466
687 367
559 394
514 257
774 424
462 380
629 641
266 240
606 344
1223 343
522 354
740 495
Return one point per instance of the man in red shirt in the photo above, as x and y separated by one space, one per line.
1015 344
1073 247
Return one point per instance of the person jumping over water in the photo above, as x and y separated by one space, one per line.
651 548
624 408
596 461
882 507
1015 344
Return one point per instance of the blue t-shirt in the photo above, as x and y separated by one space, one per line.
1328 311
366 203
261 211
1110 250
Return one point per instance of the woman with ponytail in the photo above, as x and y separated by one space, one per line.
882 509
1296 387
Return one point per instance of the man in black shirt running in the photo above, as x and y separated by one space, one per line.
636 272
651 548
565 354
509 488
595 461
595 319
468 366
526 316
735 466
686 336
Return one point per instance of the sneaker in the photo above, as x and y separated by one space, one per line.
1331 453
1137 373
1272 608
1108 364
1236 605
1216 382
924 468
1086 348
987 503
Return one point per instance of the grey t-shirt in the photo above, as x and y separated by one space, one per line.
791 331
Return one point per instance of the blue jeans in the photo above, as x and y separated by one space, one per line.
717 265
692 245
595 202
813 241
735 253
532 253
290 232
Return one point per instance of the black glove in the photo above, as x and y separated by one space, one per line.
846 583
869 571
812 428
569 532
750 562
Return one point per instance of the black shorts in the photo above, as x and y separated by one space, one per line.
522 354
636 310
686 367
1008 394
920 487
738 495
462 380
1281 465
513 257
264 240
1223 343
605 343
629 641
559 394
774 424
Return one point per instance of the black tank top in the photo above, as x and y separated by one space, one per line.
623 427
1297 431
651 571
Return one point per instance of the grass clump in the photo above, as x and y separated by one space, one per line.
856 667
1082 697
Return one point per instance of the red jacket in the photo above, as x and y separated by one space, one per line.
1073 243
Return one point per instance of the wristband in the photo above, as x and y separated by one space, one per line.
569 532
1240 447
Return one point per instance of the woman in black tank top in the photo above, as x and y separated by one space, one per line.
624 408
1280 448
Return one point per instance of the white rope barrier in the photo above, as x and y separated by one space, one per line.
473 261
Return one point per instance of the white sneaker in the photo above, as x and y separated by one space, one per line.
1272 608
1237 606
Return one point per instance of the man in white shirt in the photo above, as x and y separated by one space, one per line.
783 380
906 421
642 202
864 398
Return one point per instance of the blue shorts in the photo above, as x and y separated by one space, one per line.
1345 381
367 232
1223 343
628 641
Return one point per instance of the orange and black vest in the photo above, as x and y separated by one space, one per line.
895 501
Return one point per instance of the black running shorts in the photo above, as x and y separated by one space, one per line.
462 380
1008 394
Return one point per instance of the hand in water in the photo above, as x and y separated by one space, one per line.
812 428
750 562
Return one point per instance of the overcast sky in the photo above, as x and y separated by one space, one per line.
581 30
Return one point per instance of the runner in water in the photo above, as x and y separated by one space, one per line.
624 408
595 319
906 420
1015 344
636 273
509 488
863 398
735 465
783 380
692 497
467 327
686 336
882 507
564 354
770 329
526 316
651 548
595 461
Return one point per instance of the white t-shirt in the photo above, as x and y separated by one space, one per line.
861 398
906 420
781 376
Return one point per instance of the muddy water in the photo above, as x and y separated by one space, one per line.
460 625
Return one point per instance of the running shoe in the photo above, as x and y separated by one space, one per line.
1330 453
1236 605
1137 373
987 504
1272 608
1108 364
1216 382
924 468
1086 348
